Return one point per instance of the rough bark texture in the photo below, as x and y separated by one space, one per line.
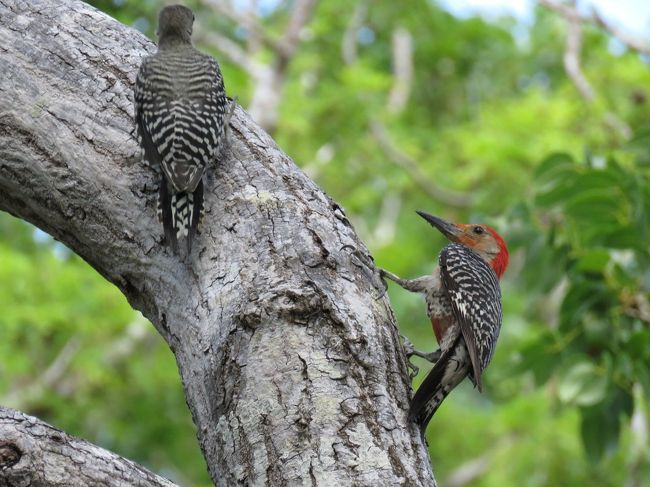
33 453
289 357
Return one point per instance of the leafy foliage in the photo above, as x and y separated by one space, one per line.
594 219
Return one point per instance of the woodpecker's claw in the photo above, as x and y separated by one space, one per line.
388 275
414 370
384 284
408 347
409 351
231 110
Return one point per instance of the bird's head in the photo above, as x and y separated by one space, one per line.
175 21
484 240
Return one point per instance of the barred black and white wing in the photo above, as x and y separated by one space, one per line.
180 109
473 289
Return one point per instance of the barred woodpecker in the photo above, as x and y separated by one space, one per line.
464 305
180 114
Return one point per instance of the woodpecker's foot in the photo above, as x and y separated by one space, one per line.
228 116
408 351
419 285
231 110
432 357
414 370
408 347
389 275
383 274
380 285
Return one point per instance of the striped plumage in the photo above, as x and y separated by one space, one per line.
467 315
180 106
464 305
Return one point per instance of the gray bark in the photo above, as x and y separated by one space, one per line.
33 453
285 342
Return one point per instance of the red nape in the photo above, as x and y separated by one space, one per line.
500 262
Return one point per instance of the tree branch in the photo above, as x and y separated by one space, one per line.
638 45
349 40
50 377
402 70
35 453
300 16
572 58
269 78
291 365
246 19
571 14
232 51
572 54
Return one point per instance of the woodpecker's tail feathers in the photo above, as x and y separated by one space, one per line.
180 214
447 373
184 175
165 214
195 215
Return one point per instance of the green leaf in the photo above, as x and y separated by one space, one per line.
595 430
536 357
593 260
583 295
555 179
554 167
624 238
555 194
600 425
639 145
593 203
582 384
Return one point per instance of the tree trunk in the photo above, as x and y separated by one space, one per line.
286 344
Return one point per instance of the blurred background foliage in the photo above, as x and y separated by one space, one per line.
391 109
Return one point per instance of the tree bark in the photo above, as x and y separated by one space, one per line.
33 453
285 341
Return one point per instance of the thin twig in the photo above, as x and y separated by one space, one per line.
638 45
445 196
349 40
113 353
300 16
233 51
570 13
269 77
402 70
49 378
572 57
471 470
246 19
572 65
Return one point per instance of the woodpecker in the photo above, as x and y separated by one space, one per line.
464 305
180 114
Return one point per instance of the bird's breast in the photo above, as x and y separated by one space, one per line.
440 313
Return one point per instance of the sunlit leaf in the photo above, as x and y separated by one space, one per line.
593 260
582 384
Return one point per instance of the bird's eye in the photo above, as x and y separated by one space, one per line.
478 230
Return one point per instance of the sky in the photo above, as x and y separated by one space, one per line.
632 15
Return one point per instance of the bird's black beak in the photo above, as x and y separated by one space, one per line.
449 230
